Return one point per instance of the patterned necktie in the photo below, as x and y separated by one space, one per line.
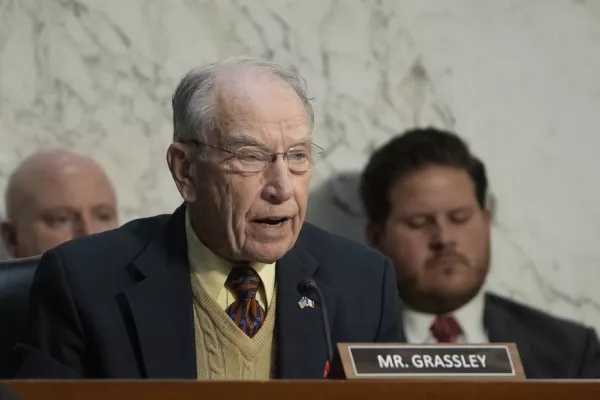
445 329
246 312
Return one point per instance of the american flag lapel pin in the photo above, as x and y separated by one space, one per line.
302 303
306 302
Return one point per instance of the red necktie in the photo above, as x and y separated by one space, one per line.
445 329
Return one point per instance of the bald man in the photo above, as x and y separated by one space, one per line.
55 196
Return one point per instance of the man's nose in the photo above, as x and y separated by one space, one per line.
84 226
278 188
442 235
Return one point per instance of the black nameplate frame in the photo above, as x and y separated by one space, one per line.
397 360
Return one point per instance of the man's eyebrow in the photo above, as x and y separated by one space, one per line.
305 140
238 138
57 210
242 139
103 207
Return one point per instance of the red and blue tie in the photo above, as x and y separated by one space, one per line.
245 311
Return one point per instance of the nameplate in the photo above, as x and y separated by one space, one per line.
382 360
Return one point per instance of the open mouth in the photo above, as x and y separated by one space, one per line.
272 221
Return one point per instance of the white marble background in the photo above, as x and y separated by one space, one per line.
520 80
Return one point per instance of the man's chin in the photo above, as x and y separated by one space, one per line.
458 292
268 252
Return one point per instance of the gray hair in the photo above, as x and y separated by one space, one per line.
193 101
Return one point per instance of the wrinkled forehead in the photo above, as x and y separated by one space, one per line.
265 109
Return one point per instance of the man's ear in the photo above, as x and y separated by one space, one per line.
9 237
372 234
181 171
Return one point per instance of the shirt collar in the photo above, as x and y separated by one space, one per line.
469 317
214 269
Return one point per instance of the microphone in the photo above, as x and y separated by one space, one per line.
306 287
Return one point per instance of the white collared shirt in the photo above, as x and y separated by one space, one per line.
470 318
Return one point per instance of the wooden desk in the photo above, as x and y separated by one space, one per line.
305 390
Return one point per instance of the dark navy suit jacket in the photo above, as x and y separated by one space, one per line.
119 304
549 347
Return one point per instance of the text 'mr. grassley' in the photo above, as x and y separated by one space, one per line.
432 361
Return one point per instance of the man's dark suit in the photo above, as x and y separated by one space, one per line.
119 304
550 348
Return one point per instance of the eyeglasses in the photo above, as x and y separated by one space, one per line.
299 158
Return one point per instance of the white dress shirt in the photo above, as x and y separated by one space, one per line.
470 318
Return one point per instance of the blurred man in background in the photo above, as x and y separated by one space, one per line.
425 196
55 196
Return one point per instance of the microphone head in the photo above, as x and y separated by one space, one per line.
305 286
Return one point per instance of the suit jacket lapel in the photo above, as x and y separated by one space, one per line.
161 304
301 345
502 329
402 330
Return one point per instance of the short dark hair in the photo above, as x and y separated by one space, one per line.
412 151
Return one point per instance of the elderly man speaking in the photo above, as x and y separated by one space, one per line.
211 291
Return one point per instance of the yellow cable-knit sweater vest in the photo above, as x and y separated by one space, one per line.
224 351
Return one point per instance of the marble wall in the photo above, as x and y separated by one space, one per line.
518 79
